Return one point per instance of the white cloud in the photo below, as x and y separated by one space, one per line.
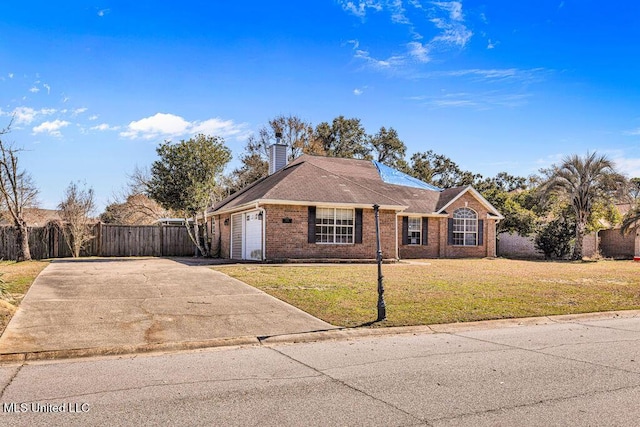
419 51
628 166
446 16
634 132
10 75
453 7
357 92
528 76
359 8
103 12
169 125
94 117
217 126
104 127
491 45
478 101
52 128
47 87
398 12
34 89
382 64
79 111
26 115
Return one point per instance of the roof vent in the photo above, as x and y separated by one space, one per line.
277 155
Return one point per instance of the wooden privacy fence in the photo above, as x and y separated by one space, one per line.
109 240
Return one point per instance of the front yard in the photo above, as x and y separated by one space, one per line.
447 291
15 279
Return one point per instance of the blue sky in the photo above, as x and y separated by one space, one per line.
495 85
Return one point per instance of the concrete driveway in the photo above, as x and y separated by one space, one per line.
111 306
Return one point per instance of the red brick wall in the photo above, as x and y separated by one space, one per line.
431 250
222 237
290 241
489 238
615 245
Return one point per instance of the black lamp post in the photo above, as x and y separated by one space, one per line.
382 307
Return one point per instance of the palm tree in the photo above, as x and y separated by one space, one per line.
631 219
582 181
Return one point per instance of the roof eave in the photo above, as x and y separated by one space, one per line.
263 202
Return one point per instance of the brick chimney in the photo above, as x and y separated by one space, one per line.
277 155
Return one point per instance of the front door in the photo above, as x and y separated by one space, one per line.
252 242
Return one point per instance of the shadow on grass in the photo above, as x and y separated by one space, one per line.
364 325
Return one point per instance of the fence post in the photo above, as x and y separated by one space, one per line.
99 239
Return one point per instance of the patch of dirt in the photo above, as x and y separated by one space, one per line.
6 312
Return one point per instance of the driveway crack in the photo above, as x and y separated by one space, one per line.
15 374
540 402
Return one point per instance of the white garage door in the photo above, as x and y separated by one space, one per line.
252 236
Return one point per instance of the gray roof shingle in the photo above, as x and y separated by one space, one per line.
318 180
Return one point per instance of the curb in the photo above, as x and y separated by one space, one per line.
125 350
314 336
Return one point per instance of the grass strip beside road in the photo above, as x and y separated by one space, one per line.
448 291
15 280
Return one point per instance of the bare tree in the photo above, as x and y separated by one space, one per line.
131 206
18 192
75 211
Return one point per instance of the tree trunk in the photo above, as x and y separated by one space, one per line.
205 233
577 247
194 235
24 254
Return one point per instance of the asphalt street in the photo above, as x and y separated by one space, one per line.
582 373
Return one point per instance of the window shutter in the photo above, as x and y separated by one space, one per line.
358 227
312 224
425 231
450 231
480 232
405 230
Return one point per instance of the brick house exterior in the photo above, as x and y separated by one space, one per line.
322 208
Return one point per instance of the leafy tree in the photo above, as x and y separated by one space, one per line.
631 219
582 182
254 160
75 210
512 197
634 190
185 179
389 149
295 133
439 170
343 138
17 192
554 238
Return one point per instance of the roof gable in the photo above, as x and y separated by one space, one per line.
456 193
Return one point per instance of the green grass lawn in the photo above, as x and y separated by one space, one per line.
447 291
15 279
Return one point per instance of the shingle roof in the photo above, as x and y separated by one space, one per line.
317 180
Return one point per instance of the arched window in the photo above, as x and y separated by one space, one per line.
465 227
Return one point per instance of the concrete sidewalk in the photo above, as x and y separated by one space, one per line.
113 306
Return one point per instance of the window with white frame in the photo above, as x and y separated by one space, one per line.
414 236
465 227
334 225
